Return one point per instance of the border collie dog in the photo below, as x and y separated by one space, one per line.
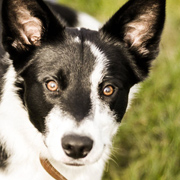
64 90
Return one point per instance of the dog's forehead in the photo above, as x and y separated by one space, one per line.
75 56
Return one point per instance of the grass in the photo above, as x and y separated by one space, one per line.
147 145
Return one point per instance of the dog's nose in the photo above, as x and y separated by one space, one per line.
76 146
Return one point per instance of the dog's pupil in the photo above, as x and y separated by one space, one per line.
53 85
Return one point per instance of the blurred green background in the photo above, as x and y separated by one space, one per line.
147 146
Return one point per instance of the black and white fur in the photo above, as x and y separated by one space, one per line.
72 127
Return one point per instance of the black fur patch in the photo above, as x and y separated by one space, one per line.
3 157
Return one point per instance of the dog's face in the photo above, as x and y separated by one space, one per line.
74 88
75 83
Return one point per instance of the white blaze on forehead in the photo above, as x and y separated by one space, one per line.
100 66
104 118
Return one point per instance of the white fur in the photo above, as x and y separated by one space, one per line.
133 91
77 40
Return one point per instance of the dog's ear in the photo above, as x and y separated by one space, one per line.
138 24
26 25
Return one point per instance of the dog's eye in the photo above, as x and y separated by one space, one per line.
52 86
108 90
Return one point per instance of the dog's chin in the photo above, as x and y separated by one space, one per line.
78 163
70 163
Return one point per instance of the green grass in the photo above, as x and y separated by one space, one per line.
147 146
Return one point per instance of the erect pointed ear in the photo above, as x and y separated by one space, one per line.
138 24
27 24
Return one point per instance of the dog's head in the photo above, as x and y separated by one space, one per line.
75 83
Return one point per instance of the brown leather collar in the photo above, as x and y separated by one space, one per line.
51 170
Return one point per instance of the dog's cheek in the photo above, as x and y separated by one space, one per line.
105 123
37 106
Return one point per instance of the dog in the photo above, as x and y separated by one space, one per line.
65 89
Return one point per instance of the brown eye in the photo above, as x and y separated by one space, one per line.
108 90
52 86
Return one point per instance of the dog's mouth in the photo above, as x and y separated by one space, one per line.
74 164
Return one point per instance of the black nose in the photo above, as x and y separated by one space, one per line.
77 146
